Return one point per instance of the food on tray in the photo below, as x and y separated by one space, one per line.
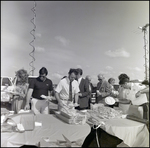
72 105
102 112
71 115
68 111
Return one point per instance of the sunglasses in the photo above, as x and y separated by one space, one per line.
99 79
42 76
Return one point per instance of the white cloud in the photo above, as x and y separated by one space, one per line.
103 72
79 66
135 68
108 68
40 49
57 75
118 53
60 55
62 40
87 66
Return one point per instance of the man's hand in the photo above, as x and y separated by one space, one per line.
80 94
98 93
48 98
60 104
27 107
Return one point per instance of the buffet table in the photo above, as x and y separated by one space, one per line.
52 127
133 133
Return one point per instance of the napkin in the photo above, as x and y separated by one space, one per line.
20 127
24 111
38 124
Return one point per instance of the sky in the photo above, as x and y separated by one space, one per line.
97 36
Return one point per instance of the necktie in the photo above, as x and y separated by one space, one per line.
90 88
70 91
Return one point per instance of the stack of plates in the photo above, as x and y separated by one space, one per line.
109 100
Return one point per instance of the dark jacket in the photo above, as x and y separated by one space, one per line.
84 90
105 90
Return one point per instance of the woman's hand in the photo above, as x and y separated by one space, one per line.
138 94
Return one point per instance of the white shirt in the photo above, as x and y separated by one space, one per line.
79 80
63 88
130 94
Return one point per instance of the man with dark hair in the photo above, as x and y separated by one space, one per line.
84 94
67 89
40 89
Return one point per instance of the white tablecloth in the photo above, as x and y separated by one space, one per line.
51 127
133 133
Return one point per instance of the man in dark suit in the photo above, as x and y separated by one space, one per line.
84 94
88 78
91 88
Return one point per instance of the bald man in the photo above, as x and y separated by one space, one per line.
103 89
88 78
91 88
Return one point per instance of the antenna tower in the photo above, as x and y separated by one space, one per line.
144 29
32 32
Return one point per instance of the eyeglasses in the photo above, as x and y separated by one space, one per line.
42 76
99 79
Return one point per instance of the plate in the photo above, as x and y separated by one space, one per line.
73 104
76 104
84 111
43 96
110 100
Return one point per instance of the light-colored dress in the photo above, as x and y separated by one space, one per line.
18 101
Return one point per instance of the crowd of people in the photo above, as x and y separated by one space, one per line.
74 88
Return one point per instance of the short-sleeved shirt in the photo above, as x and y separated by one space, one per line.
63 88
130 94
40 88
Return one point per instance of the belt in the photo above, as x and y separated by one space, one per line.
39 98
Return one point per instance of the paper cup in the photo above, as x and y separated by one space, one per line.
11 112
124 107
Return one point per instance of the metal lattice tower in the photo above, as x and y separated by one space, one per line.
144 29
32 32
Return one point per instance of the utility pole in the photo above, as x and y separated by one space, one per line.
144 29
